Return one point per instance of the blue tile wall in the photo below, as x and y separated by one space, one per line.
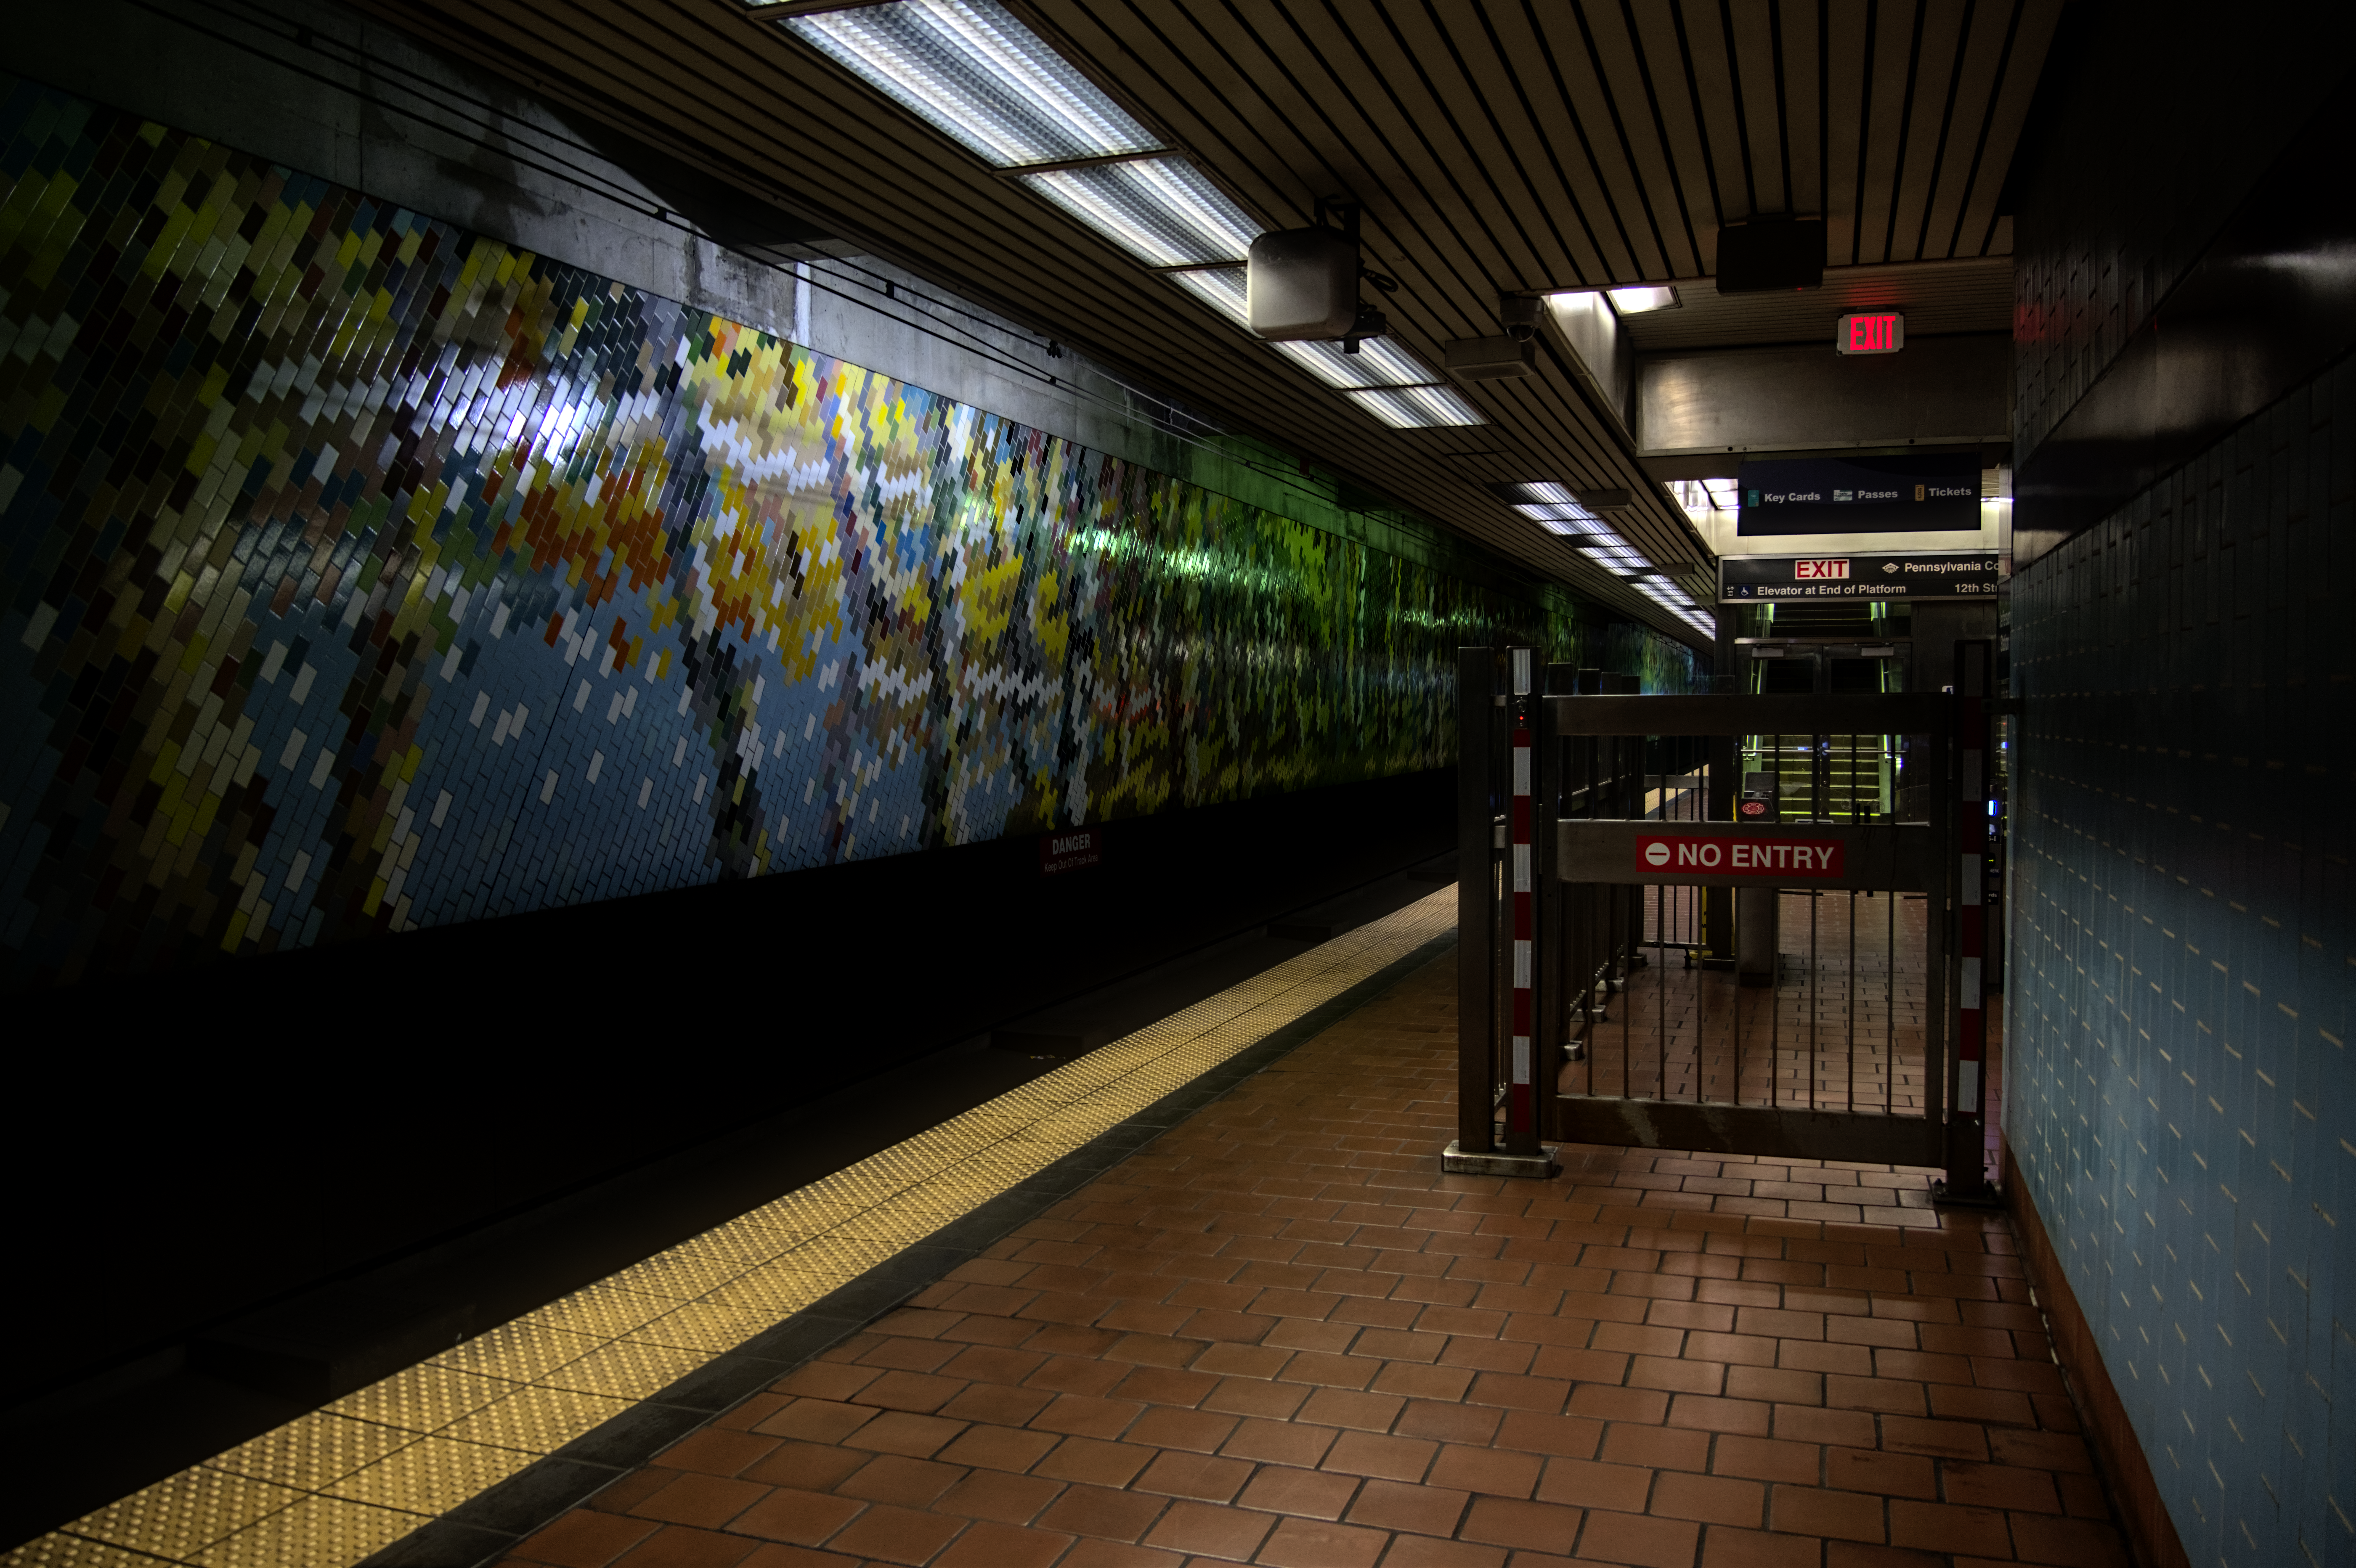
2179 1096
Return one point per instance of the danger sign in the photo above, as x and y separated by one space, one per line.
1746 857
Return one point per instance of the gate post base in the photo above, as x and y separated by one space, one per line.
1454 1161
1944 1197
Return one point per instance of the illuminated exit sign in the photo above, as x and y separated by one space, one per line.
1882 332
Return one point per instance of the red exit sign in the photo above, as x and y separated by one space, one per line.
1880 332
1819 570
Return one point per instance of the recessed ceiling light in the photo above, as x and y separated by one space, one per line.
1636 301
1416 408
1161 210
1379 362
1221 288
972 70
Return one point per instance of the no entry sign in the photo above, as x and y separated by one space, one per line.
1749 855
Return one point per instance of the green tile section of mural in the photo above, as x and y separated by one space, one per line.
362 573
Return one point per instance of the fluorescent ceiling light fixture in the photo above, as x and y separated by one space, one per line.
1221 288
972 70
1378 363
1614 556
1416 407
1161 210
1636 301
1570 518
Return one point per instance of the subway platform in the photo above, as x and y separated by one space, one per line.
1203 1295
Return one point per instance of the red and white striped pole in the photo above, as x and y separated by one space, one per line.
1967 1132
1521 1102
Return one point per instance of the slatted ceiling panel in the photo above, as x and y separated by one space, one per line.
2031 36
1750 47
1575 180
1672 109
1494 148
1714 82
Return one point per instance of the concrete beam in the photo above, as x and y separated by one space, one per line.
1937 392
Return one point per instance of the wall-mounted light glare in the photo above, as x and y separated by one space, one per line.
972 70
1637 300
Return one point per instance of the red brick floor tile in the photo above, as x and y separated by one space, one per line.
803 1519
1507 1522
719 1451
996 1404
707 1500
1724 1548
1891 1475
1312 1494
1658 1447
582 1539
1108 1513
1114 1554
1943 1526
772 1554
1633 1538
1490 1471
1571 1436
1099 1463
896 1534
2079 1543
1808 1511
1852 1554
1384 1459
901 1432
1422 1552
991 1495
1454 1423
1940 1439
1316 1543
684 1546
1205 1531
1625 1487
1711 1500
997 1448
816 1421
1277 1335
1768 1459
890 1478
1198 1475
989 1545
1416 1510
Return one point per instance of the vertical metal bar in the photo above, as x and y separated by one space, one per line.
1966 1148
1775 1002
1521 1105
1890 1002
1815 966
1476 684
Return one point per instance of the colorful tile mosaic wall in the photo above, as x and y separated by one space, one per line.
362 573
2179 1096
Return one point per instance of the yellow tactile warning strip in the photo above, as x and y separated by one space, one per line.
340 1483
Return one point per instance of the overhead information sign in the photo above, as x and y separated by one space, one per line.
1898 574
1939 493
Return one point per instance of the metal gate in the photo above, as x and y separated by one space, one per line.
1654 956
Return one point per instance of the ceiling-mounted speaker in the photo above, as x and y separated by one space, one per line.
1489 358
1605 500
1769 254
1302 284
